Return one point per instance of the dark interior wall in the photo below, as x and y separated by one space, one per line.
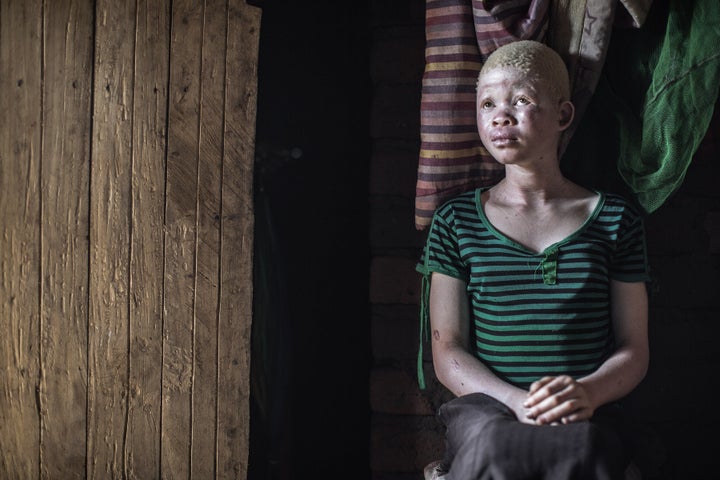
676 399
311 328
342 85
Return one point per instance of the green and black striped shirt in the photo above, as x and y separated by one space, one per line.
538 314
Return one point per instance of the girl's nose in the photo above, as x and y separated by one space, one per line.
502 118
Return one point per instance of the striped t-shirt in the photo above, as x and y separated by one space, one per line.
538 314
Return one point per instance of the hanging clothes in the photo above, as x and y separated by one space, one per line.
460 35
652 106
678 78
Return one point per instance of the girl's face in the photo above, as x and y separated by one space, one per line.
518 120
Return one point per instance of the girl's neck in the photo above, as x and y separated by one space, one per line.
533 186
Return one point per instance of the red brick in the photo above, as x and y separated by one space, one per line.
392 224
393 168
394 391
405 444
394 280
394 331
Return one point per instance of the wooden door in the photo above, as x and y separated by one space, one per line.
126 229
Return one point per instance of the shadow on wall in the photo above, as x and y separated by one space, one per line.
310 414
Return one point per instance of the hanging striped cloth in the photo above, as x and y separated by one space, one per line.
460 35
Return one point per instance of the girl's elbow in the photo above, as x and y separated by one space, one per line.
641 361
446 366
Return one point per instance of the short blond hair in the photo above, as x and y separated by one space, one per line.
537 61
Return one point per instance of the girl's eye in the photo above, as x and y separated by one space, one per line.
486 104
523 101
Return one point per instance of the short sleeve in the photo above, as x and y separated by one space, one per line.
441 253
629 261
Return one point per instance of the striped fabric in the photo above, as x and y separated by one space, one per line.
460 35
538 314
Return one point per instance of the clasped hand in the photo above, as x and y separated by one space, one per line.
556 400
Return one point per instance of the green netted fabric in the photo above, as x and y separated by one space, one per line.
652 105
657 145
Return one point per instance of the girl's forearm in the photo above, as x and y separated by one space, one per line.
462 374
617 377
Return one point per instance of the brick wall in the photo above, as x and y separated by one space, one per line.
684 249
404 432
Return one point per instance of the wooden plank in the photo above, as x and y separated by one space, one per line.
237 241
110 207
205 368
146 260
65 223
20 151
180 238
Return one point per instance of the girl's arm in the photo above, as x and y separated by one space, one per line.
455 366
562 399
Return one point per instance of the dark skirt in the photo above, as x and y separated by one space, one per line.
484 440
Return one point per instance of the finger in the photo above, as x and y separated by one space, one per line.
578 416
571 394
567 407
539 384
539 390
545 408
570 410
547 390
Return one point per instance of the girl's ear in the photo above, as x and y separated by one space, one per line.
567 113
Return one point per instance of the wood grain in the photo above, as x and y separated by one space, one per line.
181 238
237 240
150 82
110 211
210 159
20 153
126 154
65 190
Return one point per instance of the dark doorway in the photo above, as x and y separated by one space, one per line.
309 395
